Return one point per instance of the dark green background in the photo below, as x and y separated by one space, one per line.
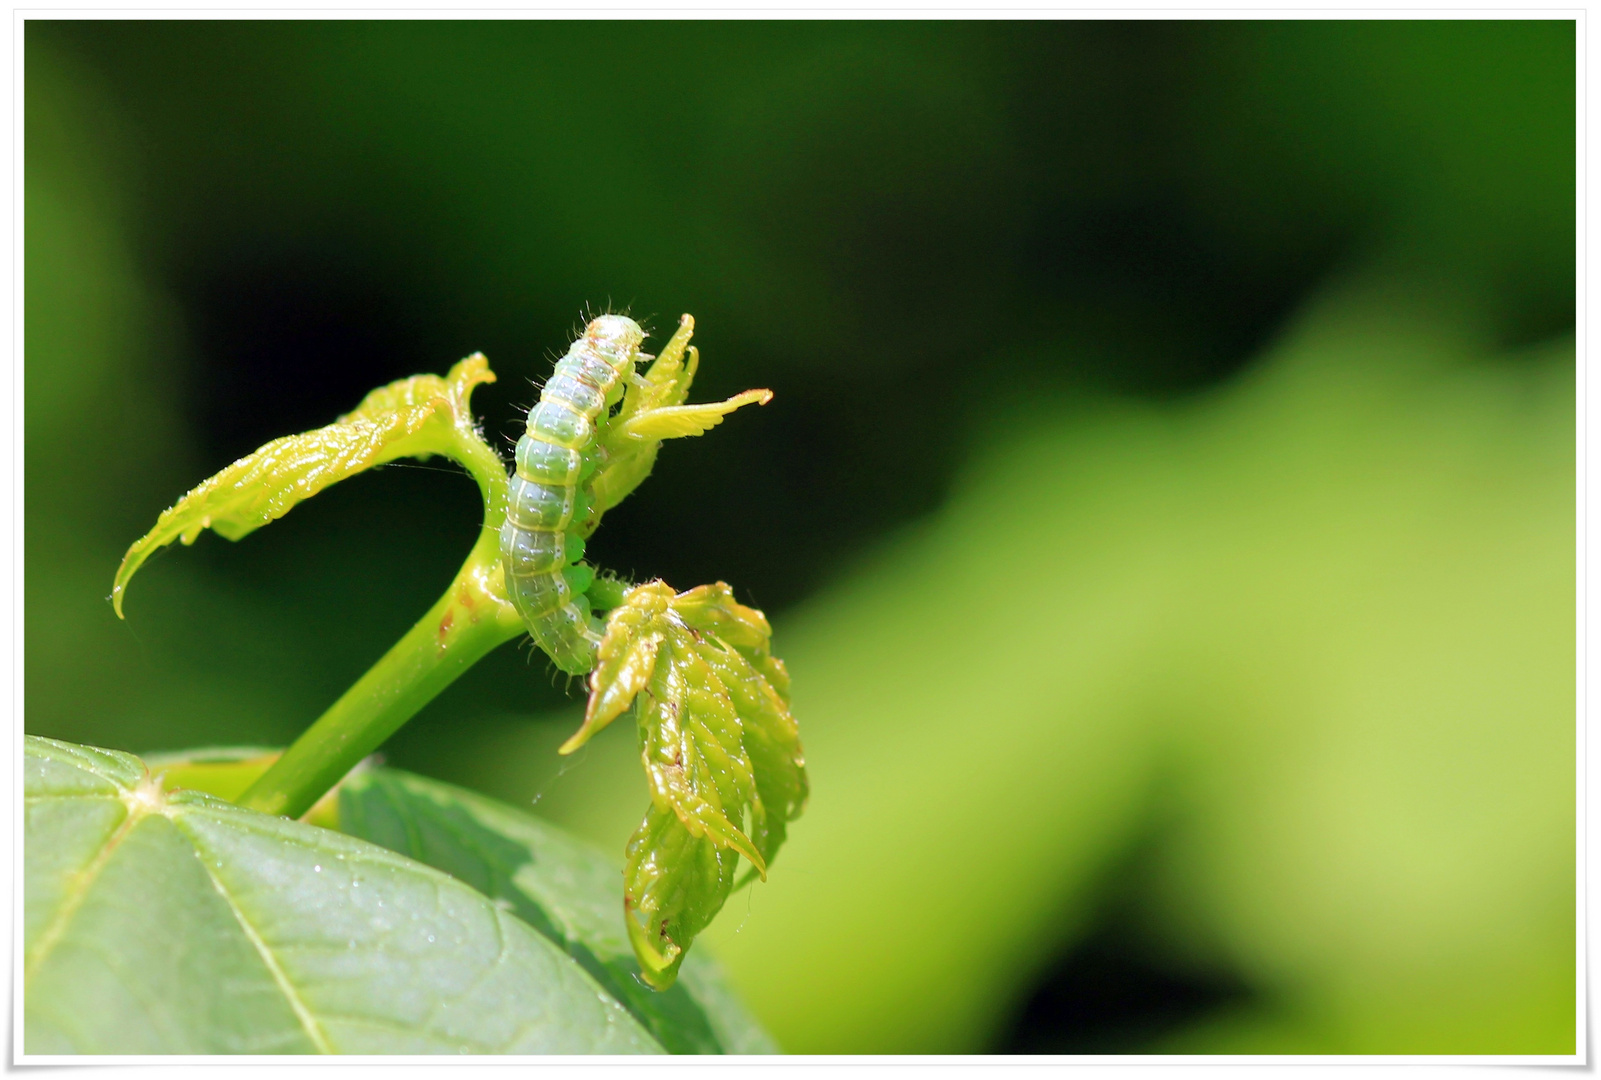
931 240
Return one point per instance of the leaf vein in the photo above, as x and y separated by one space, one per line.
83 880
302 1013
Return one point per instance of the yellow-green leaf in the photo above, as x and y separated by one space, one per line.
625 659
653 409
674 884
693 750
677 421
719 748
414 417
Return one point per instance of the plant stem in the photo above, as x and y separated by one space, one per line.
464 625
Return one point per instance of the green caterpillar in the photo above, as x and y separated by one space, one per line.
591 438
543 537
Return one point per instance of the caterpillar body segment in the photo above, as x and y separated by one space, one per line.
579 457
542 538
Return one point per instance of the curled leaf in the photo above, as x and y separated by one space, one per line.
626 658
712 608
735 641
772 744
414 417
693 748
653 409
719 748
674 884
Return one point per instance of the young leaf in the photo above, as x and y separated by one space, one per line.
626 658
712 608
653 409
693 749
415 417
717 742
674 884
677 421
772 741
172 922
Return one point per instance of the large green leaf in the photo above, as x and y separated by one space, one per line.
172 922
563 887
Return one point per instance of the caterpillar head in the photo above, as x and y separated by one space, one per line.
615 337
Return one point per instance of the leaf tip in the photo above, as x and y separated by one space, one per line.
468 374
752 856
125 571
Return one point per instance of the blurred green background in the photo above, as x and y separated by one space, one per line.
1166 510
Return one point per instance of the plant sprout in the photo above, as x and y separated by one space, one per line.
720 749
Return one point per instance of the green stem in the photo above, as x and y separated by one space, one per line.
464 625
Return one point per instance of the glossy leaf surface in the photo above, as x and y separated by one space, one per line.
718 745
415 417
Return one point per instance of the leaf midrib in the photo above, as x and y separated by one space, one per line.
139 805
137 810
308 1022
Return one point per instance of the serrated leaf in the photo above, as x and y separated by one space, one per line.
718 745
414 417
625 659
712 608
564 888
173 922
691 744
772 741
